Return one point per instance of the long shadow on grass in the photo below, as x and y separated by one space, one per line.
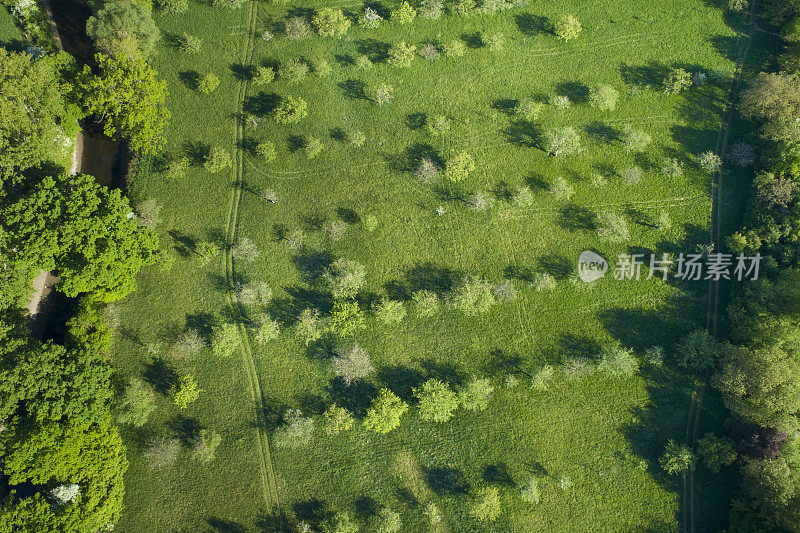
262 104
223 525
161 375
524 133
531 25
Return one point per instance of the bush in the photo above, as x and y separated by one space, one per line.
187 392
528 109
217 160
473 296
296 431
189 43
162 451
137 403
430 9
310 325
564 140
346 318
124 29
738 5
330 21
505 291
356 137
677 80
672 167
206 445
612 227
322 68
439 125
265 151
268 330
462 7
245 249
529 491
481 201
291 110
401 54
568 27
264 76
709 161
487 507
677 459
632 175
475 395
636 140
459 166
426 303
191 341
523 198
342 522
208 83
716 452
543 281
226 339
173 7
560 102
335 229
352 365
176 169
541 380
597 180
433 513
337 419
370 222
296 28
384 94
385 413
403 13
363 62
496 42
561 189
428 51
618 361
604 97
437 401
345 278
254 293
389 521
370 19
390 311
455 48
697 351
293 71
313 147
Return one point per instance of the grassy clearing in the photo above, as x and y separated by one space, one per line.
596 432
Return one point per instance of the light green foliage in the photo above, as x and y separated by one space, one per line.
173 7
130 99
345 278
496 42
206 445
475 395
337 419
459 166
437 401
426 303
473 296
265 151
389 521
612 227
385 413
716 452
390 311
404 13
322 68
370 222
342 522
293 70
176 169
636 140
123 28
313 147
226 340
330 21
190 44
208 251
672 167
604 97
568 27
310 325
529 491
529 109
564 140
487 506
268 330
462 7
296 28
455 48
264 76
541 380
709 161
439 125
401 54
137 403
208 83
677 80
291 110
384 94
677 459
346 318
187 392
296 431
352 364
217 159
561 189
618 361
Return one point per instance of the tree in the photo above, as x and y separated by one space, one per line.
481 201
217 159
618 361
430 9
330 21
345 278
437 401
310 326
384 94
475 395
385 413
352 364
174 7
296 28
187 392
561 189
541 380
455 48
264 76
672 167
677 459
189 43
459 166
137 402
291 110
208 83
401 54
313 147
568 27
632 175
716 452
226 340
427 171
774 191
342 522
205 446
697 351
741 154
529 491
636 140
426 303
565 140
296 431
162 451
709 161
245 249
265 151
612 227
294 70
123 29
346 318
35 118
389 521
129 99
487 506
268 330
403 13
473 296
337 419
774 99
604 97
390 311
370 19
677 80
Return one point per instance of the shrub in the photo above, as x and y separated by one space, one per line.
384 94
677 80
313 147
370 19
356 137
564 140
612 227
741 154
529 491
385 413
345 278
370 222
173 7
430 9
291 110
191 341
455 48
541 380
268 195
268 330
363 62
604 97
505 291
618 361
738 5
561 189
403 13
346 318
672 167
433 513
716 452
217 160
389 521
428 51
709 161
208 83
664 222
137 403
401 54
352 365
543 281
597 180
496 42
342 522
189 43
523 198
437 401
330 21
322 68
310 326
481 201
636 140
426 303
473 296
439 125
632 175
568 27
206 445
245 249
187 392
655 355
487 507
677 459
560 102
462 7
293 71
296 431
162 451
475 395
226 339
335 229
528 109
176 169
564 483
296 28
459 166
265 151
264 76
390 311
337 419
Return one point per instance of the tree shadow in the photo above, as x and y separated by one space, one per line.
507 106
204 323
243 72
190 78
313 511
473 40
410 160
416 121
600 132
160 375
186 429
184 245
501 363
353 89
446 480
366 508
577 92
376 51
262 104
196 152
652 74
444 371
356 398
338 134
296 142
431 277
572 345
401 380
575 217
524 133
556 265
532 25
497 474
312 264
347 215
223 525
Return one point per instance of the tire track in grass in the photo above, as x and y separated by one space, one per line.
266 470
712 321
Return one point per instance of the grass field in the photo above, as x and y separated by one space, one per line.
604 435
